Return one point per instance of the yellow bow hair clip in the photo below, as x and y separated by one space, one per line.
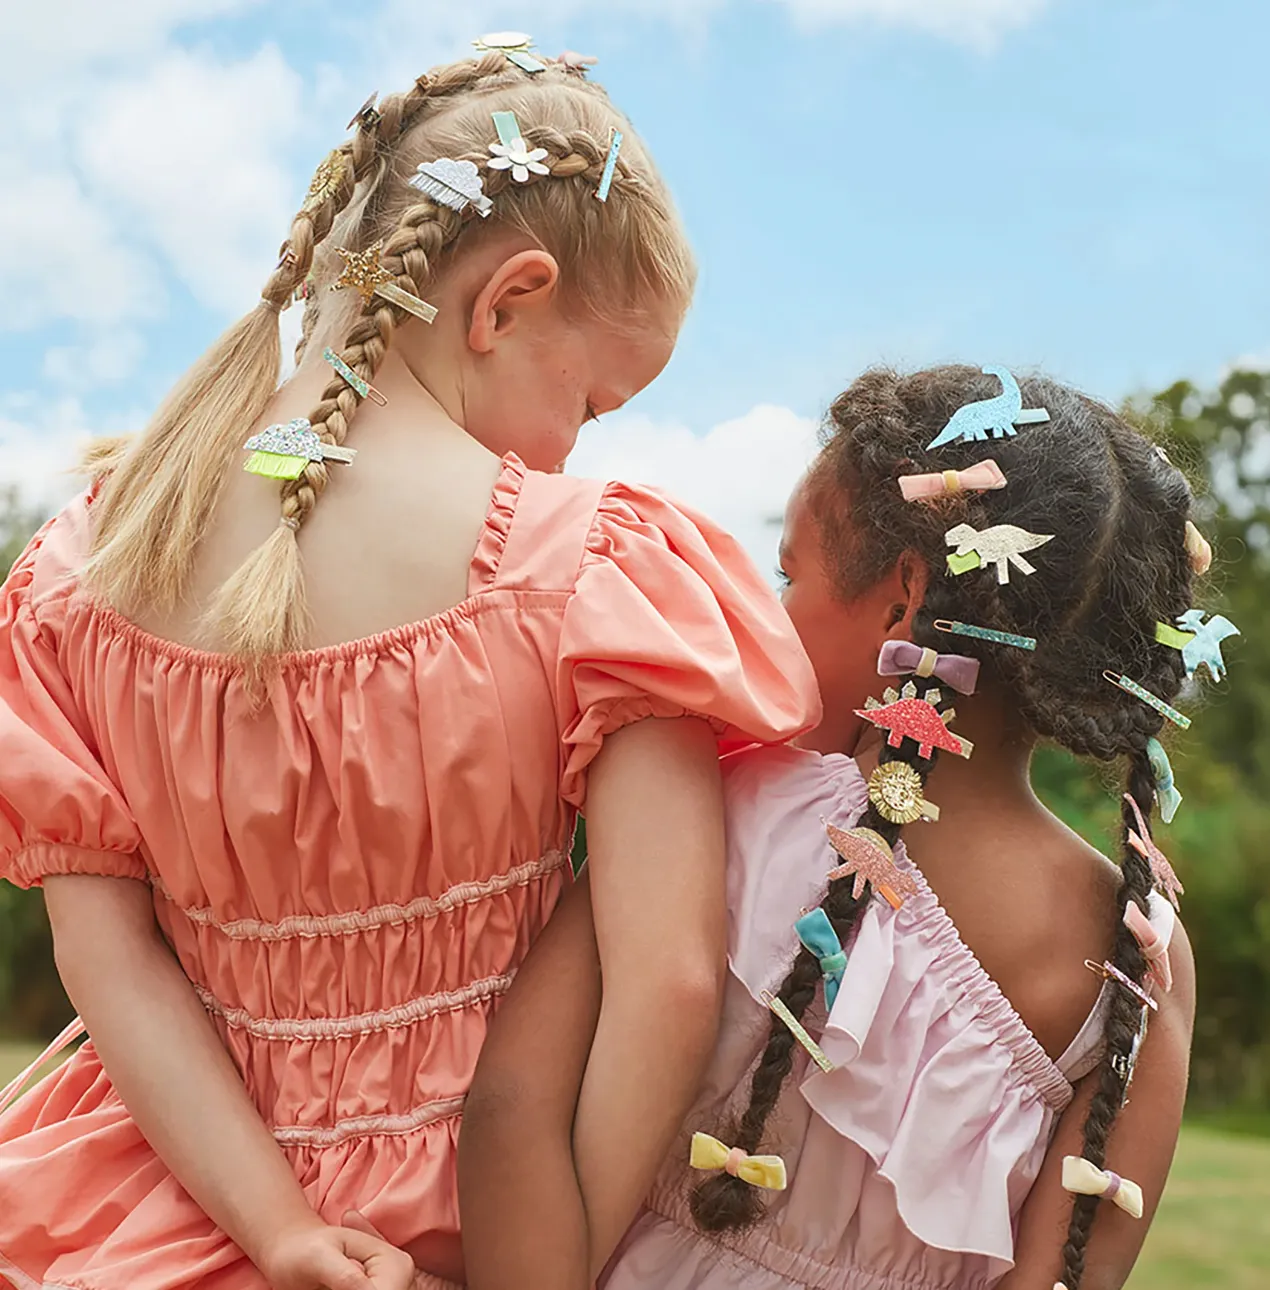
759 1171
1087 1179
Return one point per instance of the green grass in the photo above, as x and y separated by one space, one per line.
1212 1231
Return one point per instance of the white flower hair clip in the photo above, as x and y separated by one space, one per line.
511 152
456 184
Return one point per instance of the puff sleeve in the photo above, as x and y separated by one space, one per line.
59 811
669 618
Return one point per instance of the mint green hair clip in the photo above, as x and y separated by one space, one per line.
1165 789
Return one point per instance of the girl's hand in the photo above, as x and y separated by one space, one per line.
336 1258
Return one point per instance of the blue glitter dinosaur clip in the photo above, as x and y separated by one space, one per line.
1199 641
998 416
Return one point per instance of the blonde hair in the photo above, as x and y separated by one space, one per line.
160 493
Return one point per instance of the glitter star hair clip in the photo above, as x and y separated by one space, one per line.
368 277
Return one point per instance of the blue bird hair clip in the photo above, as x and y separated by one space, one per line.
1199 641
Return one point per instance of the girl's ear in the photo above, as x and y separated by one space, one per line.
525 282
910 579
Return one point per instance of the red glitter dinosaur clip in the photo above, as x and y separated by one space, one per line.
908 717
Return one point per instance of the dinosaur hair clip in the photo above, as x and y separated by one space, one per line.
1002 545
1199 641
999 415
1166 880
906 716
867 856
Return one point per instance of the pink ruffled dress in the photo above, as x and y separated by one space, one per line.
350 877
909 1163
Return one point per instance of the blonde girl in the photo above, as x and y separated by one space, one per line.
298 764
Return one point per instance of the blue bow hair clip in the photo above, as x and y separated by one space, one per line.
1165 790
817 934
999 415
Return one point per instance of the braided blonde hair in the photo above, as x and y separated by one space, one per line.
616 258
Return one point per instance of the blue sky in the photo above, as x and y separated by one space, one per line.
1081 185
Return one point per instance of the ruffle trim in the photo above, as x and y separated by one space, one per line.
312 926
316 1029
498 524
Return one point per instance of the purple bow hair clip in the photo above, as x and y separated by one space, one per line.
900 658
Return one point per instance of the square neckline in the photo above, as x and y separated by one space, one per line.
500 512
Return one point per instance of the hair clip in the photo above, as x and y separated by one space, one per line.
898 658
283 451
511 152
816 933
895 789
363 271
1161 870
327 179
868 857
954 628
610 167
572 61
362 386
1110 972
1198 549
1200 641
368 116
1130 686
514 46
1086 1179
1002 545
1152 945
982 477
456 184
767 1172
906 716
1165 790
1126 1066
999 415
799 1032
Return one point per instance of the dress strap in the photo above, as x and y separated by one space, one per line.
544 548
9 1093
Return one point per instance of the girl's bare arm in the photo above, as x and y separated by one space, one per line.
180 1086
1141 1148
655 837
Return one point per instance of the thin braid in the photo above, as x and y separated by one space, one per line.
1123 1019
722 1202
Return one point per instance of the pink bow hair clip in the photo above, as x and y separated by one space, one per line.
1152 945
899 658
982 477
575 62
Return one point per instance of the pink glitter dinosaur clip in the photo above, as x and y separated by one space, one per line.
1161 870
866 855
908 717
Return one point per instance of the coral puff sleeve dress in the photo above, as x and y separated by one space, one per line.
350 876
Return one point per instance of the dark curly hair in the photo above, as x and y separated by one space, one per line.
1117 564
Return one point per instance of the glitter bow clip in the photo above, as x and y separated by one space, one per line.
1002 545
816 933
767 1172
999 415
899 658
983 477
1085 1179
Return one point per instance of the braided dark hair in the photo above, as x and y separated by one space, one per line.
1117 564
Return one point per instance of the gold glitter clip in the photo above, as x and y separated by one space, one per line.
334 168
895 789
796 1028
366 275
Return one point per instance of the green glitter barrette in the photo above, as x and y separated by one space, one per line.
1130 686
984 634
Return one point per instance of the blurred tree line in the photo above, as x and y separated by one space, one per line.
1218 842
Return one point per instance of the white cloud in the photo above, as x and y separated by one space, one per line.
105 359
39 444
193 151
740 473
980 23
